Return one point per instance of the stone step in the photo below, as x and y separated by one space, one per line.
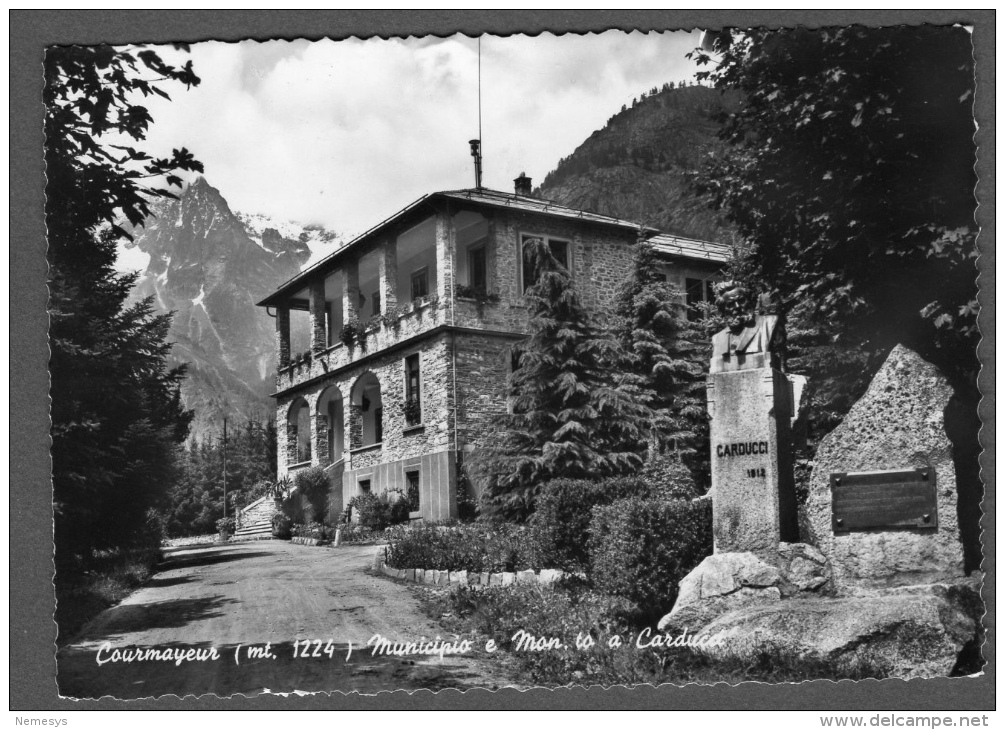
255 529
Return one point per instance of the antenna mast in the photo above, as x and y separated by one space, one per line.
476 144
479 88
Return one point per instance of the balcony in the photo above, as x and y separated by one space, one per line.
356 342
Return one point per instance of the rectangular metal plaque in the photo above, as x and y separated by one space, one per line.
900 498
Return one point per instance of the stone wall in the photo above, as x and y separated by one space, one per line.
437 482
399 440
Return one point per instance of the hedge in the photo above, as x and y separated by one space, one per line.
565 507
640 549
484 547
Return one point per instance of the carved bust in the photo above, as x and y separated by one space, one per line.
750 340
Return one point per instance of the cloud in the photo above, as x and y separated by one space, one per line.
345 133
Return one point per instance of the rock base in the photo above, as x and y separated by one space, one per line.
919 631
725 582
741 607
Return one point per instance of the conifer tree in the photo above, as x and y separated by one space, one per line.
116 409
573 415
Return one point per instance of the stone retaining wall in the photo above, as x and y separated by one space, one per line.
545 577
312 541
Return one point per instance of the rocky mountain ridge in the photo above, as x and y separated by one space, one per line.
210 265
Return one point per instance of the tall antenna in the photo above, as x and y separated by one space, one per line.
476 144
479 88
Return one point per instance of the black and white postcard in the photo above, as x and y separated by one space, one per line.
501 361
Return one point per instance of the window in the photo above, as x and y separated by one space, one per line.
420 283
478 269
364 486
560 249
413 394
697 292
412 492
378 424
376 303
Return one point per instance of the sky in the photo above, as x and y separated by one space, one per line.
346 133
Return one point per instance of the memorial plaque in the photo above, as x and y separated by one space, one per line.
900 498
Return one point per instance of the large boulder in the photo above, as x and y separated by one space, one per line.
911 632
724 582
898 424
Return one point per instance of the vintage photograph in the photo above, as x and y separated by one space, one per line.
514 361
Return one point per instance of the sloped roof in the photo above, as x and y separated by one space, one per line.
691 248
522 203
665 243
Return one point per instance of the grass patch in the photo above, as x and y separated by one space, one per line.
574 610
84 592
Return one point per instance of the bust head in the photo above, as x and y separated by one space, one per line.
736 303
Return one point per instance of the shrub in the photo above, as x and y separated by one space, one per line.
492 548
154 532
564 510
641 548
225 526
356 534
350 333
281 526
315 530
281 490
313 484
668 477
378 511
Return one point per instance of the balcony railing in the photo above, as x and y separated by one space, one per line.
358 340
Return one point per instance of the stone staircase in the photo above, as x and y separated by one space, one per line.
255 520
254 531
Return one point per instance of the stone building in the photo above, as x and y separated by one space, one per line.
409 329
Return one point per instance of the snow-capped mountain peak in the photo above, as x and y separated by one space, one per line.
264 230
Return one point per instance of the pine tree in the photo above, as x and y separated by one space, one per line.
572 414
116 409
660 356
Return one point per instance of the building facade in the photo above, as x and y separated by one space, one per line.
408 332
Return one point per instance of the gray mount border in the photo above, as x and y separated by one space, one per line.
32 685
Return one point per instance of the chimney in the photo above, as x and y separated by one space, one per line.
522 185
476 152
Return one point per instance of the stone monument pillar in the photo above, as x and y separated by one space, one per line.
750 402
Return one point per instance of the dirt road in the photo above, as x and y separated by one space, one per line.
246 609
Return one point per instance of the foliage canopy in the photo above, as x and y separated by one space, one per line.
116 408
851 172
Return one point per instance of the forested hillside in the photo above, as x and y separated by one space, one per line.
640 164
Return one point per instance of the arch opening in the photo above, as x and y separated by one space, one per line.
330 408
298 430
367 410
